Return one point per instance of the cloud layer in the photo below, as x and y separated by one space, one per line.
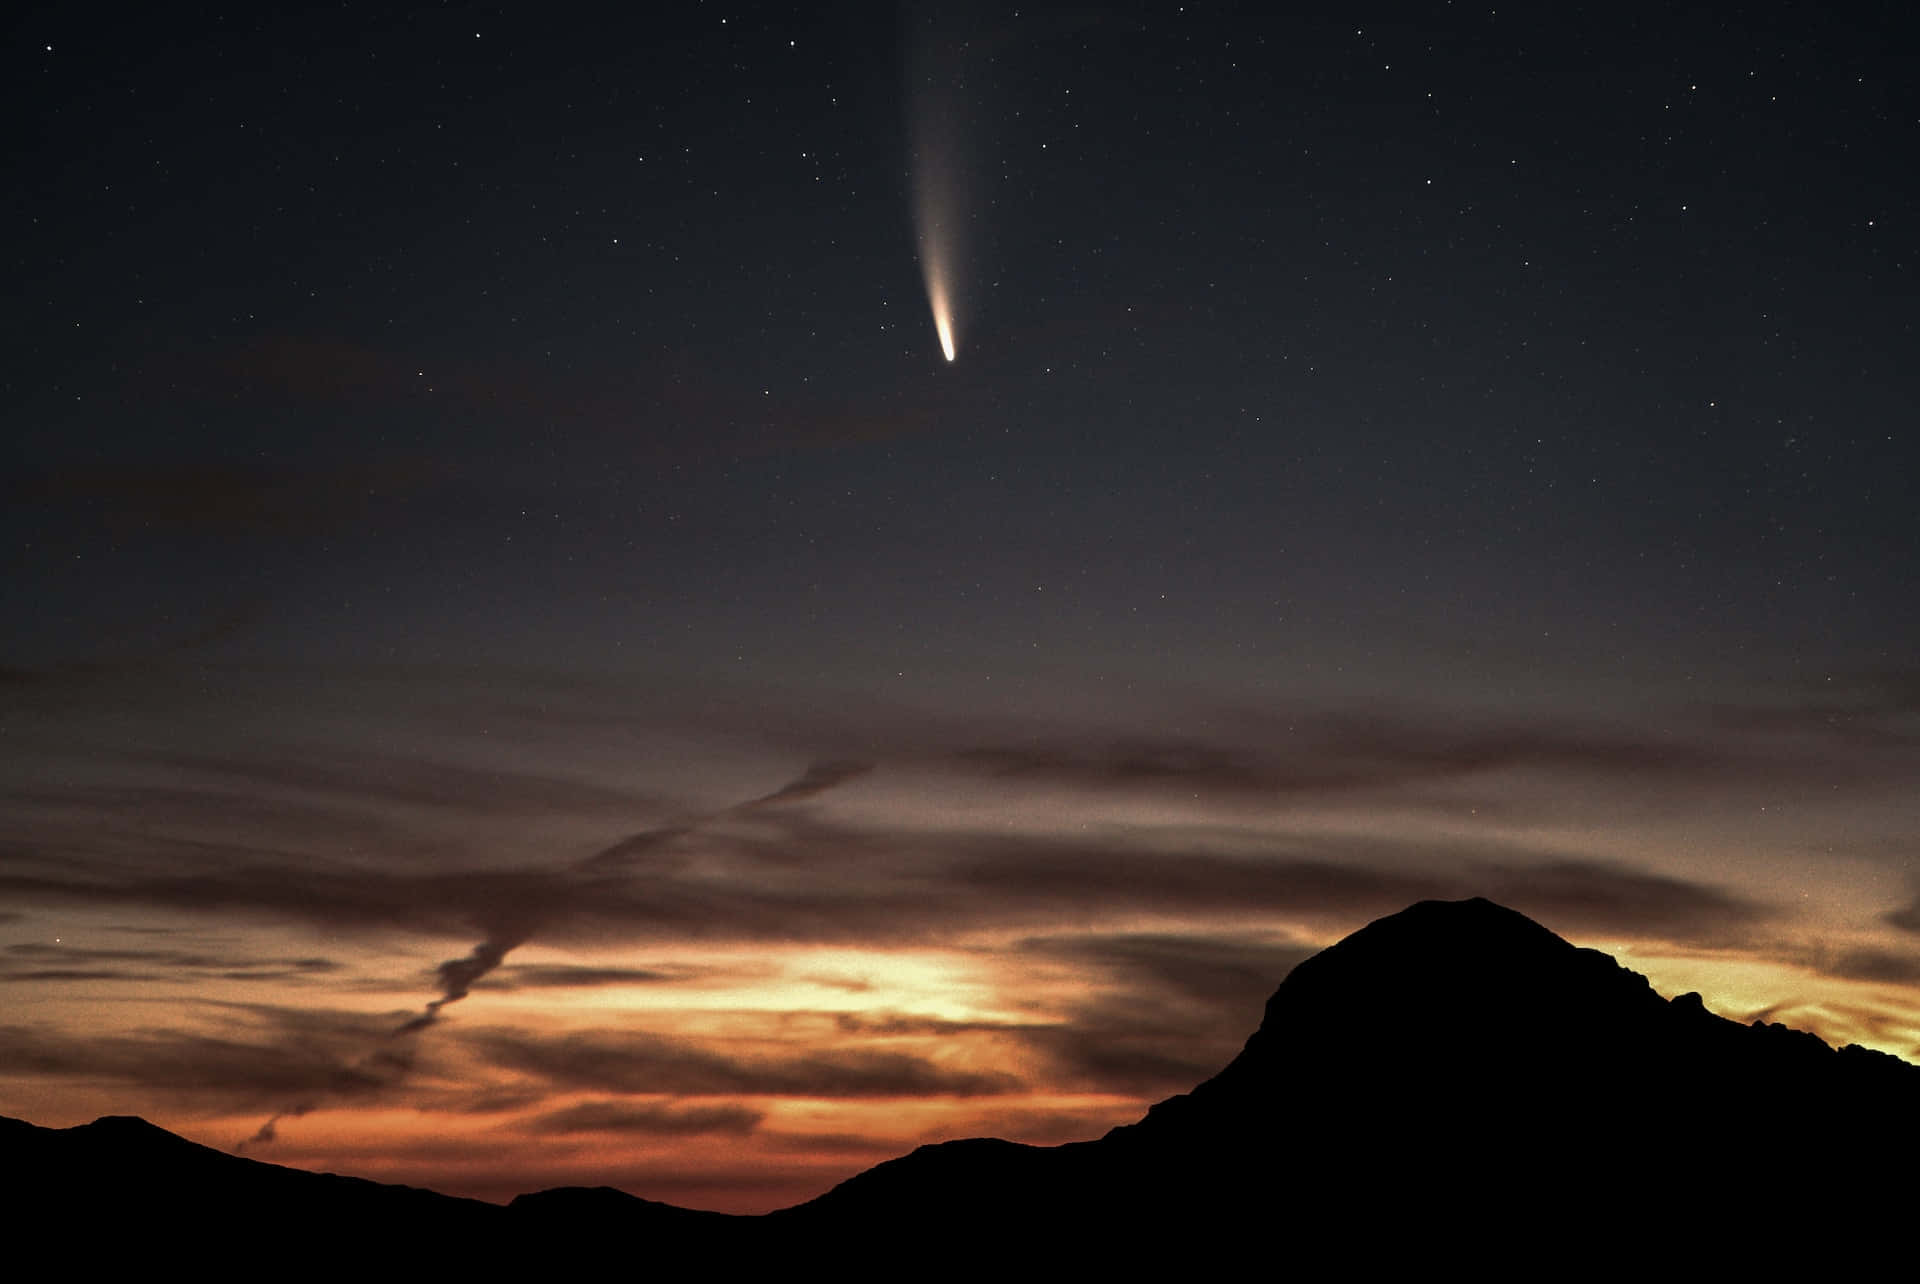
834 955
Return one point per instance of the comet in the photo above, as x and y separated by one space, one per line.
938 105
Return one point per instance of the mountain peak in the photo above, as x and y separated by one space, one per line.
127 1126
1445 933
1443 1008
1445 964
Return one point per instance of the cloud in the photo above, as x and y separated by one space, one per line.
1108 1049
1866 964
1171 1008
645 848
563 976
1329 753
889 1025
818 778
456 976
317 1058
186 960
1582 896
831 1143
1164 1011
1196 968
371 778
160 811
1061 876
41 961
1868 711
638 1063
1907 918
509 925
652 1118
82 974
1279 756
1838 1024
791 877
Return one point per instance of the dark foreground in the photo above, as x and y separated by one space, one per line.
1450 1086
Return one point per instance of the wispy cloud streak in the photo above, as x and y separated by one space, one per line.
509 926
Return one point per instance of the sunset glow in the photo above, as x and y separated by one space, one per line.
519 669
957 950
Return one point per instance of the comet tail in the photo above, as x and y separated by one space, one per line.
939 106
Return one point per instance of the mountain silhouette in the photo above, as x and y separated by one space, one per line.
1452 1085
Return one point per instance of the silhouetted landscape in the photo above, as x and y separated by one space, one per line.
1453 1083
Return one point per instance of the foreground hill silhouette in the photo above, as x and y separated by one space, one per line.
1451 1085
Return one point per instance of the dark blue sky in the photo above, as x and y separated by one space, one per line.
1576 340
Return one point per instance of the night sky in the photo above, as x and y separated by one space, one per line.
522 662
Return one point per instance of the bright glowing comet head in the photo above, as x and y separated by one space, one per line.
942 321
